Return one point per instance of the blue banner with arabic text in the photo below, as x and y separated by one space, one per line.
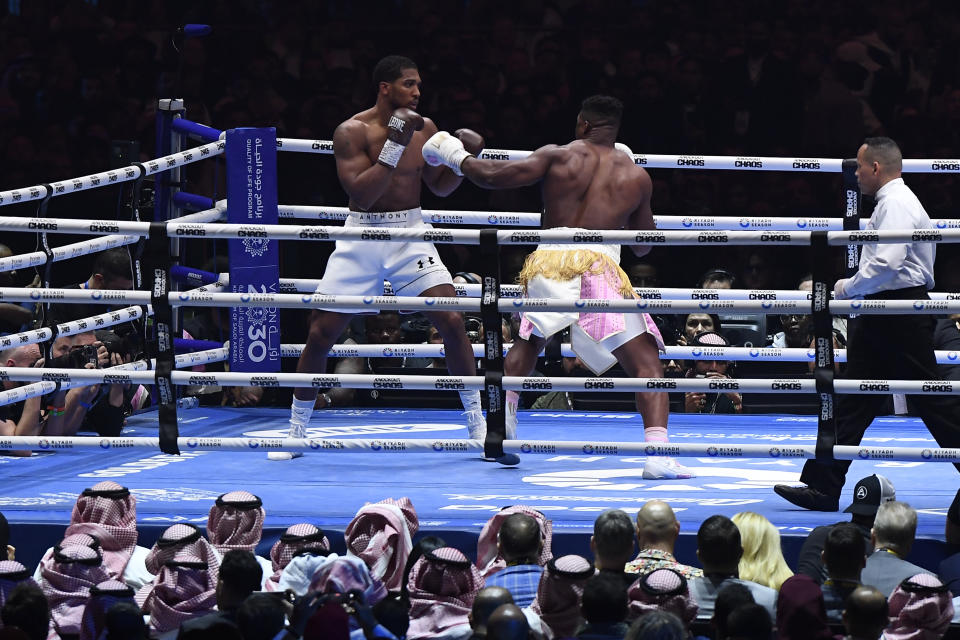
254 260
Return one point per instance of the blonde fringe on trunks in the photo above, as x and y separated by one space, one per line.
572 263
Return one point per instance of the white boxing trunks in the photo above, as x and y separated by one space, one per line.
359 268
574 271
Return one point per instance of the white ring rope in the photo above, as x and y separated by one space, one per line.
415 303
672 161
196 358
471 236
100 321
114 176
116 375
738 354
309 285
569 447
80 325
77 249
662 222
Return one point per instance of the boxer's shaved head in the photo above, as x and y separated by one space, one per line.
602 111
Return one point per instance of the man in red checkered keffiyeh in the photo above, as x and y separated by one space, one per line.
185 589
443 584
66 579
297 537
560 592
381 535
236 522
108 512
489 560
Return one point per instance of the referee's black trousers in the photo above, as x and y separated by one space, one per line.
888 347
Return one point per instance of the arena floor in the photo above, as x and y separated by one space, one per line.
455 493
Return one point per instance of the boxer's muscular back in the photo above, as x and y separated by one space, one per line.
592 186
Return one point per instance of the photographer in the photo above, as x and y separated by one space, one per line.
702 401
88 408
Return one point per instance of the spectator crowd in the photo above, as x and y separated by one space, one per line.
392 581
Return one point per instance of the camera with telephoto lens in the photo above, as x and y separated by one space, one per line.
76 358
474 329
128 344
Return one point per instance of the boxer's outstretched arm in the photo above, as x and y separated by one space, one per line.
642 217
441 180
508 174
363 180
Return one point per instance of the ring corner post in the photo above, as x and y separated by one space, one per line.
493 344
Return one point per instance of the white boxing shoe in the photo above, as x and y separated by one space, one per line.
297 430
665 468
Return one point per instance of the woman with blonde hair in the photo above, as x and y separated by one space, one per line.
762 560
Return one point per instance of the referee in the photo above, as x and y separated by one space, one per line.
883 346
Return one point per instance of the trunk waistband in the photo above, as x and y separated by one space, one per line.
406 218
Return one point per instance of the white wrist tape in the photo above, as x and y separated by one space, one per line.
390 154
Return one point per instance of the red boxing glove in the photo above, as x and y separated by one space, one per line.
403 123
472 141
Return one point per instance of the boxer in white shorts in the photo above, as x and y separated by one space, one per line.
382 179
587 184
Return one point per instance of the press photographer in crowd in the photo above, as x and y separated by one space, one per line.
718 369
99 408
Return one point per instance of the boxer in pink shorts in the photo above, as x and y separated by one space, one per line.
591 183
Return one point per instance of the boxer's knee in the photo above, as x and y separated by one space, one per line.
449 324
324 329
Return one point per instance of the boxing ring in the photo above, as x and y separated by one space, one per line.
573 465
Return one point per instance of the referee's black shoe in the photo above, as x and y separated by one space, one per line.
808 498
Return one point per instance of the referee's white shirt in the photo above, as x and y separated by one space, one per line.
885 267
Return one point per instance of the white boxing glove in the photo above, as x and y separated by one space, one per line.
619 146
443 148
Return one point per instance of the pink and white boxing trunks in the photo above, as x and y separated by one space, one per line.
592 273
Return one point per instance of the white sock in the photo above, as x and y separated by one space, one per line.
301 410
513 398
470 400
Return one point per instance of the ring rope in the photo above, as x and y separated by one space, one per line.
673 161
114 176
138 375
309 285
569 447
533 219
80 325
471 236
416 303
43 387
85 247
738 354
